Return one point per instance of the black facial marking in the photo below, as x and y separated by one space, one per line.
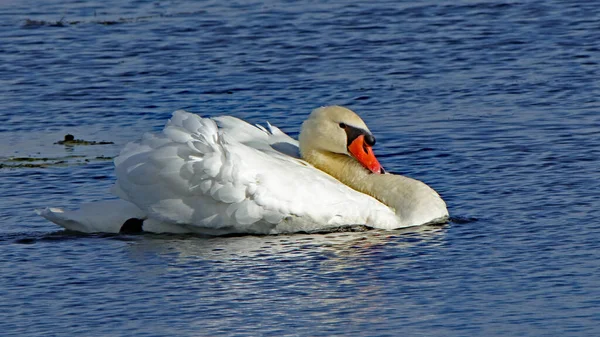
342 125
132 226
353 132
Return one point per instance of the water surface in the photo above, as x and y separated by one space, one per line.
494 104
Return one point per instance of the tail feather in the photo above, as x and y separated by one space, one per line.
102 216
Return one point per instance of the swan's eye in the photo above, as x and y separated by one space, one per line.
342 125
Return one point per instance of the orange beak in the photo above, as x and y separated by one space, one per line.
364 154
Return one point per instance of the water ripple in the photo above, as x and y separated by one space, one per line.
494 104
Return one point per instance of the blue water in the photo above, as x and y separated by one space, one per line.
495 104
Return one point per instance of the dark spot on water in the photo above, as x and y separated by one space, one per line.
123 238
110 22
32 23
44 162
132 226
221 91
340 229
26 241
70 140
29 23
31 238
462 220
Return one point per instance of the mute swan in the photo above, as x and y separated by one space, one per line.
222 175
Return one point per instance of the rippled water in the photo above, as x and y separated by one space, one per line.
495 104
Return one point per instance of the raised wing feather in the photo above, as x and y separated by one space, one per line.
223 174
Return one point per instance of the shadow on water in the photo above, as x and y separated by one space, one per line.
461 220
344 241
60 236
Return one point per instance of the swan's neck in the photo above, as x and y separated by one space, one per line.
412 200
342 167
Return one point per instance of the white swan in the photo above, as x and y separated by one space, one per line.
222 175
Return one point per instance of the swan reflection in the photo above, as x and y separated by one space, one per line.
353 242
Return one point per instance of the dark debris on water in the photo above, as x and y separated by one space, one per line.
28 162
32 23
70 140
43 162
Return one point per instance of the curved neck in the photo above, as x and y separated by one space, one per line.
342 167
412 200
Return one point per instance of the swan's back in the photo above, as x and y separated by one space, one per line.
230 179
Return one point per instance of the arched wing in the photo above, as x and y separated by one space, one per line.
197 174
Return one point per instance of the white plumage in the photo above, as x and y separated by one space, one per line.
222 175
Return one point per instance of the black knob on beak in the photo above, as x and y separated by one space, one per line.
369 140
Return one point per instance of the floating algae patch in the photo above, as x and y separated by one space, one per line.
32 23
29 23
67 152
70 140
44 162
30 162
37 162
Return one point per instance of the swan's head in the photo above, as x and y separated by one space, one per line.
339 130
